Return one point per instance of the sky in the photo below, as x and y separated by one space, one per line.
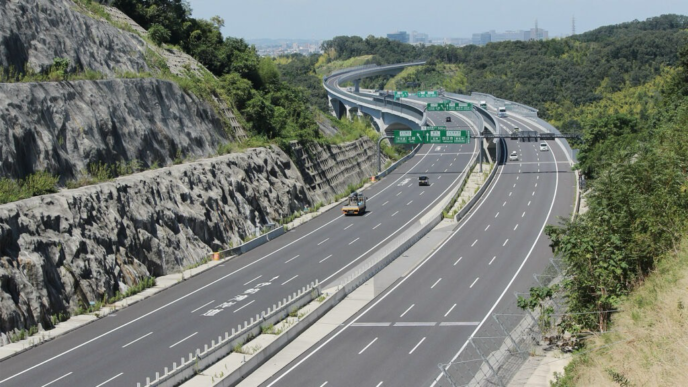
325 19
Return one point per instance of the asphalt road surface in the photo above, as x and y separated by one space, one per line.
427 317
133 343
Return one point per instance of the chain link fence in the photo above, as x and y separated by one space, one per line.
503 343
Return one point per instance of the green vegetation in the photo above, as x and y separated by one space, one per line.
38 183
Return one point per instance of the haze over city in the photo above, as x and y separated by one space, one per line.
319 20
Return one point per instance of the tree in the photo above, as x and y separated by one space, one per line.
159 34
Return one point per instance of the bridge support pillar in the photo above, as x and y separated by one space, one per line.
357 85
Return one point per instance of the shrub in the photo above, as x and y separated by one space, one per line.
158 34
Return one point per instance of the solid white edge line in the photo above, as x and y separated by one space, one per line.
140 338
544 224
184 339
202 306
417 345
111 379
482 201
61 377
369 344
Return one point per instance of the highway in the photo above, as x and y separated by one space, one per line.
127 346
426 317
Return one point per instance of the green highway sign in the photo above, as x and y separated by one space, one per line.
459 107
434 128
426 94
408 137
401 94
431 137
436 107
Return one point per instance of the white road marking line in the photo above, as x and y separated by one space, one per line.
323 241
142 337
457 261
449 311
535 184
436 282
121 326
366 347
517 177
395 213
409 308
252 280
476 241
515 227
533 193
537 177
111 379
519 171
61 377
446 170
414 348
450 164
184 339
378 225
421 193
326 258
385 203
454 158
504 204
201 307
285 282
432 165
507 240
488 226
274 278
289 260
514 185
510 194
529 204
506 289
493 258
324 384
415 324
439 177
426 171
409 203
379 384
245 306
476 280
399 194
497 215
354 241
345 228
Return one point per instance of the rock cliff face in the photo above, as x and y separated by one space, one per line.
61 127
62 250
35 32
327 170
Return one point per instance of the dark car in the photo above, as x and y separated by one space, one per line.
448 119
423 180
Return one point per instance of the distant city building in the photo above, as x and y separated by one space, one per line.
418 38
400 36
482 39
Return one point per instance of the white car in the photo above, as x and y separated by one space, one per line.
543 147
513 156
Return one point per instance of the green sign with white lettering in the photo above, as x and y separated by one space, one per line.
401 94
431 137
449 107
435 128
426 94
436 107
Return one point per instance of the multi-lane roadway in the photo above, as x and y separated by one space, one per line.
127 346
427 317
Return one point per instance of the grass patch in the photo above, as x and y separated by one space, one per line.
39 183
646 345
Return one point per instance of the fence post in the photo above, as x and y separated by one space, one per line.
499 381
494 316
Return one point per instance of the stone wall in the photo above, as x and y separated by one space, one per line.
63 250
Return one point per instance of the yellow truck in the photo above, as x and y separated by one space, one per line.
355 205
